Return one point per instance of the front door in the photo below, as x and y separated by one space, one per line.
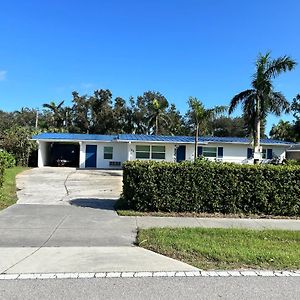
91 156
180 153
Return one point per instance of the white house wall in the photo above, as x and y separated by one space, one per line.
119 154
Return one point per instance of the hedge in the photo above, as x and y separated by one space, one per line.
1 172
212 188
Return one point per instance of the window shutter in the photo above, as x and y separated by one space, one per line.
200 151
269 153
249 153
220 152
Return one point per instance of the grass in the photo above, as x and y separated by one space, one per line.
8 194
219 248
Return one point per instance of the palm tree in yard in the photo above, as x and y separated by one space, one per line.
58 113
200 116
158 114
262 99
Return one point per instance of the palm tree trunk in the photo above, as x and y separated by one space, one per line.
257 130
196 141
156 125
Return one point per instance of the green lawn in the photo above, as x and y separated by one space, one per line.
8 191
225 248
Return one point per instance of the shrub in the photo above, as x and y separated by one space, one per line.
7 159
212 187
1 172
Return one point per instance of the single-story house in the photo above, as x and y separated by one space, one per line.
293 152
110 151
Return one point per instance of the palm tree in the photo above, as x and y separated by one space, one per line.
200 116
158 114
262 99
58 113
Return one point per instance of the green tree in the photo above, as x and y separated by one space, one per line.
226 126
58 114
158 114
261 100
16 140
284 130
199 116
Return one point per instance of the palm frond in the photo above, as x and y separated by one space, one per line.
241 97
279 65
278 103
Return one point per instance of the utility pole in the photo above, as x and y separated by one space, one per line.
36 118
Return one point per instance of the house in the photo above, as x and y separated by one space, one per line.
293 152
110 151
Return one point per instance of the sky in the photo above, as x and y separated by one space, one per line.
201 48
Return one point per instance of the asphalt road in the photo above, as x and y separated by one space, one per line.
153 288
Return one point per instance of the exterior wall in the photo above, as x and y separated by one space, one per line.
123 151
119 154
170 151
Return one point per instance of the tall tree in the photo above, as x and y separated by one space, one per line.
261 100
284 130
158 114
199 116
58 113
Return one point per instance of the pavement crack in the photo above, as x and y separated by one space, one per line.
36 250
65 185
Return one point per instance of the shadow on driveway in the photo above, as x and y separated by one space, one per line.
106 204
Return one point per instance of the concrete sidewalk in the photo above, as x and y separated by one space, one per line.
149 222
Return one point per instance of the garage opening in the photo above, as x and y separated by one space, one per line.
61 154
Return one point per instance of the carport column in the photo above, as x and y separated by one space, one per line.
81 155
129 151
41 153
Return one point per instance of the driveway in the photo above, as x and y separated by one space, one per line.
64 221
51 185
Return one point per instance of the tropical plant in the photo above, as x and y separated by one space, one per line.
283 131
158 114
199 116
261 100
58 113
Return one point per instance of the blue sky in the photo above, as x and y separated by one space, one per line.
200 48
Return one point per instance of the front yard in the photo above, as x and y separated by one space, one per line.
225 248
8 191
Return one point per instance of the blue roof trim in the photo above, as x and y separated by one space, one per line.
150 138
74 137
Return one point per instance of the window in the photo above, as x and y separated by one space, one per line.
209 151
142 152
158 152
150 152
108 152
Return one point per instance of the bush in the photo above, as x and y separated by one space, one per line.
212 187
7 159
1 173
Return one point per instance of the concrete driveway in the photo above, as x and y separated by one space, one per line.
51 185
64 221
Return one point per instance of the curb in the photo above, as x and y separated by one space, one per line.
232 273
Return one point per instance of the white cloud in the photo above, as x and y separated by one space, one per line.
2 75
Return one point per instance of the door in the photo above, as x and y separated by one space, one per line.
180 153
91 156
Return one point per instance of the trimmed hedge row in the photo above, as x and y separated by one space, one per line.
212 187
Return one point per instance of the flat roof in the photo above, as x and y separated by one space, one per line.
150 138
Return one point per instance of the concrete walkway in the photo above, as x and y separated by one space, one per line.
149 222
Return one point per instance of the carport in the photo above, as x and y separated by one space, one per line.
59 154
